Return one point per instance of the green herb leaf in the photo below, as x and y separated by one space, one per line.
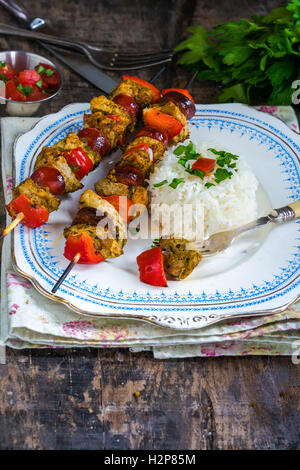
3 77
39 83
49 72
2 64
176 182
222 174
193 172
26 90
209 185
257 58
41 69
161 183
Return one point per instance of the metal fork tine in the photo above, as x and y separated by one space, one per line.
135 55
135 66
140 60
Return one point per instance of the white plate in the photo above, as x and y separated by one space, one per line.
258 274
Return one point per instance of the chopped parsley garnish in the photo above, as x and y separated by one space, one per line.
225 164
39 83
41 69
201 174
26 90
222 174
49 72
225 158
48 92
3 77
161 183
185 154
176 182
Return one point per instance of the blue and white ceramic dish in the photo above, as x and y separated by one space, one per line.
257 274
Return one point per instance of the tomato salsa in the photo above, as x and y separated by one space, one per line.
29 85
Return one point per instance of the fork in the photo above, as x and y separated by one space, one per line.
104 59
219 241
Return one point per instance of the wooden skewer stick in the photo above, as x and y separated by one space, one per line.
12 225
191 80
66 272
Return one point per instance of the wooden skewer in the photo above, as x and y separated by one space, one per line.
191 80
66 272
12 225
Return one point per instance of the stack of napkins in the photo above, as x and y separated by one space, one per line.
29 320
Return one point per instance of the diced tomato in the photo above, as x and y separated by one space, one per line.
95 139
12 92
53 81
163 122
155 91
79 161
183 91
7 71
51 178
83 245
141 147
36 95
28 77
204 164
33 216
151 267
122 204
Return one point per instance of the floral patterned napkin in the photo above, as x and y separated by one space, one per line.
29 320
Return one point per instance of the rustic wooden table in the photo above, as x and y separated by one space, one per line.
84 399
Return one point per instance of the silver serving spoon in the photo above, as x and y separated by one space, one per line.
219 241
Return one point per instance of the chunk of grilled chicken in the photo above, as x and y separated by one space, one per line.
38 196
54 158
140 94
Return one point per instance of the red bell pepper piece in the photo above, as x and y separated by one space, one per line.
82 244
204 164
33 216
163 122
178 90
12 92
151 267
155 91
122 204
79 161
141 147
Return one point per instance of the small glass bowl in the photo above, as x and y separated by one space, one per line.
21 60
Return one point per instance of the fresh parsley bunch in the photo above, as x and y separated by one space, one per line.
250 58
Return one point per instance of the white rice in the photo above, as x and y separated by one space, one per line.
226 205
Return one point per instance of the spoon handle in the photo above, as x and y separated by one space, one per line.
295 206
